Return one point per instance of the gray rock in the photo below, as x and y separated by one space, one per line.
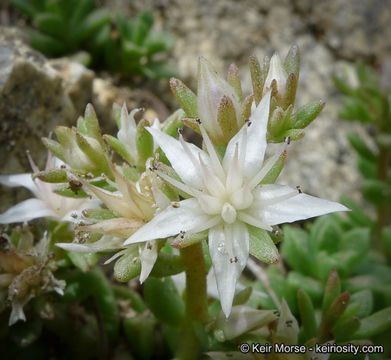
34 97
351 28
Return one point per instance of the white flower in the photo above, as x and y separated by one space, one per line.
135 209
127 134
212 88
46 202
227 197
276 72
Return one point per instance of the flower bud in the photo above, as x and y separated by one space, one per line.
276 72
211 90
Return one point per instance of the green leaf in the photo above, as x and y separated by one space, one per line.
80 10
233 79
173 123
83 261
296 250
342 86
356 242
386 240
128 266
345 330
307 314
376 191
374 324
158 70
167 265
242 296
332 290
360 146
25 6
142 27
163 300
144 141
54 147
51 24
311 286
290 90
226 118
332 315
357 214
53 176
185 97
257 78
95 21
307 113
125 292
92 124
46 44
65 190
356 110
325 234
98 214
120 148
292 61
159 42
139 332
365 299
262 246
367 168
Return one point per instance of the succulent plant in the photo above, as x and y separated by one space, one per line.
130 47
62 26
97 38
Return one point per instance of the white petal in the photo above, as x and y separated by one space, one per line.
148 256
269 194
299 207
187 217
179 158
255 140
103 244
25 211
127 134
161 200
17 314
229 248
24 180
276 72
211 88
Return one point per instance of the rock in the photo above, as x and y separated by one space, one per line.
77 82
35 96
354 29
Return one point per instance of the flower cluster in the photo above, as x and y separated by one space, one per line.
170 192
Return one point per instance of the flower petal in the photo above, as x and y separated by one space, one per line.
292 208
255 140
24 180
25 211
229 248
187 217
17 313
121 227
103 244
180 159
148 256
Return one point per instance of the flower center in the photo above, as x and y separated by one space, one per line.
228 213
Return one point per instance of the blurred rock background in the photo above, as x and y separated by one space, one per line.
331 34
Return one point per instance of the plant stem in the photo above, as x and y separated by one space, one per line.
195 299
